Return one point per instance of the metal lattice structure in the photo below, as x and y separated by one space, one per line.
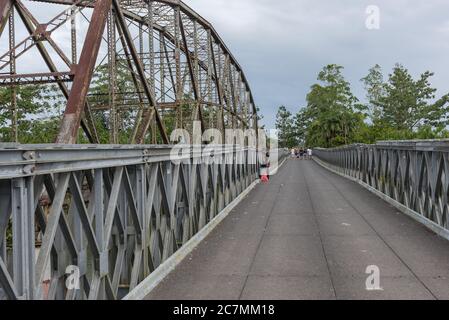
137 69
177 68
414 174
113 212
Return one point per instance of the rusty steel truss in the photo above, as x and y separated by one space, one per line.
179 68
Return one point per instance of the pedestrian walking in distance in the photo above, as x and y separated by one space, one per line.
309 153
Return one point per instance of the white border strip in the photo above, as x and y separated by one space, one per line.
158 275
439 230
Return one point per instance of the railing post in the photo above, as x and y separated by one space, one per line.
5 211
22 198
99 213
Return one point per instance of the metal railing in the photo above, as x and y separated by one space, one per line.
92 222
414 174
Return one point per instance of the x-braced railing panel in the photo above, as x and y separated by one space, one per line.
413 173
92 222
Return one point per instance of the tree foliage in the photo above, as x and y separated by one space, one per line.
333 114
39 110
406 102
399 108
404 108
284 126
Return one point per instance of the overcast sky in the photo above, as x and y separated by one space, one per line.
282 45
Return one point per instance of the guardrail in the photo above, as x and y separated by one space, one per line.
92 222
412 175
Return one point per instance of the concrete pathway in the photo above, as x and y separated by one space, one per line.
310 234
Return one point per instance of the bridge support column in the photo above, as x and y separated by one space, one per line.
5 9
22 198
83 74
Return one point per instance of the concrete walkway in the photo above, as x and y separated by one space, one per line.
310 234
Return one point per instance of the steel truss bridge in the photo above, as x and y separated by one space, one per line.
115 212
111 221
161 63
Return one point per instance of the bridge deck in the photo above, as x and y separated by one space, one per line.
310 234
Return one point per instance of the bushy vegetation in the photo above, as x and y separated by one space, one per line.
396 109
39 110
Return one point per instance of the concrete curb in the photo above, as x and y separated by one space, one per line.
444 233
158 275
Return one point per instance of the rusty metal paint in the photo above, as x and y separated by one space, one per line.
86 124
227 91
77 98
5 8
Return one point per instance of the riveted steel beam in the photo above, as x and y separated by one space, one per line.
83 74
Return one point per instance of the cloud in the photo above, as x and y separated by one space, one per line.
283 45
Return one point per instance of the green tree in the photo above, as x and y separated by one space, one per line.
375 90
333 114
400 108
302 122
403 108
406 103
284 125
39 110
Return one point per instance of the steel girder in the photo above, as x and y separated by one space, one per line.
173 55
5 9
